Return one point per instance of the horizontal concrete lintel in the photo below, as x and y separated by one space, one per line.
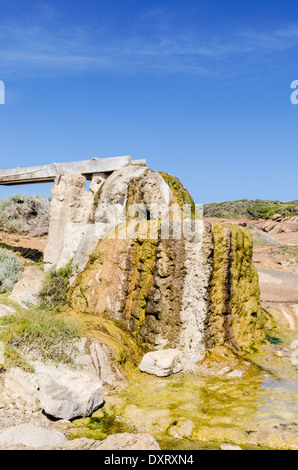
48 173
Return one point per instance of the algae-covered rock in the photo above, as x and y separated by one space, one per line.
235 316
169 294
164 276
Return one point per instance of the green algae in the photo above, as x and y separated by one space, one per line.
98 427
181 196
217 288
236 316
248 320
140 281
259 411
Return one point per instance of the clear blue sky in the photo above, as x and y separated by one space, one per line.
201 88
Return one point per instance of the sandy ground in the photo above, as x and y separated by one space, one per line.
34 243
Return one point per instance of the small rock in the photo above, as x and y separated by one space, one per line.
99 355
162 363
229 447
236 374
5 311
30 436
225 370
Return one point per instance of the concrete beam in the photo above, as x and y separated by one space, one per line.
48 173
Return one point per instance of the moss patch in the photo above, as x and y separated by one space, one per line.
217 289
99 426
180 195
140 281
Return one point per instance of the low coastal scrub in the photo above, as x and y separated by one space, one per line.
288 253
53 294
50 337
11 270
251 209
24 215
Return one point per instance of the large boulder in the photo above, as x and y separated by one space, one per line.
25 292
162 363
67 394
29 435
59 391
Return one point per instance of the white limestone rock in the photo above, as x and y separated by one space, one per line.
229 447
127 441
67 394
20 389
6 311
26 290
162 363
236 374
30 436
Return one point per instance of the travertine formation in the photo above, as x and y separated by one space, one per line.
144 259
191 289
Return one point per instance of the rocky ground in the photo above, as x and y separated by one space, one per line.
253 210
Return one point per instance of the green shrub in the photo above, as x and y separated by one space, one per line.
5 222
257 209
52 337
24 214
11 270
55 287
